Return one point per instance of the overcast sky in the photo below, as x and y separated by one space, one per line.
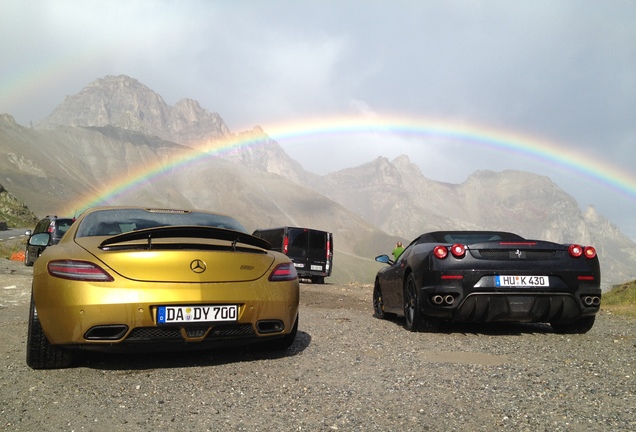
561 72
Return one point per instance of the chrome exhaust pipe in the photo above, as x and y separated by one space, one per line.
449 299
592 300
438 299
596 301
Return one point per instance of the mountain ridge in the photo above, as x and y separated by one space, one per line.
116 125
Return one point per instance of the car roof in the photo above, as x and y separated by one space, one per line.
466 237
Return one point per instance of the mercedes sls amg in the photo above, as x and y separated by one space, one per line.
127 278
489 276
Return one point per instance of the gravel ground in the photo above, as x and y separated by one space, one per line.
347 371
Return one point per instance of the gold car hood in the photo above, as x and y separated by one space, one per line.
180 259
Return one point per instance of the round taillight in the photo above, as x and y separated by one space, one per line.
589 252
440 252
575 251
458 250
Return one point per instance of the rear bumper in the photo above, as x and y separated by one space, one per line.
74 313
509 306
174 339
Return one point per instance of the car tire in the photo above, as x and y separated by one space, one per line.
581 326
279 344
318 280
414 319
378 304
40 353
27 261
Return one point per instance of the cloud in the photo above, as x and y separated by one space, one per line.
560 70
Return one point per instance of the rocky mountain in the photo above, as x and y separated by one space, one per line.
123 102
13 212
57 171
118 140
398 198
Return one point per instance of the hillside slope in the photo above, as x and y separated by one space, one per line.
117 141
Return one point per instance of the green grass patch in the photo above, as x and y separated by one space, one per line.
621 300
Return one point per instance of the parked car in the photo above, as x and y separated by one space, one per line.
310 250
489 276
55 226
129 278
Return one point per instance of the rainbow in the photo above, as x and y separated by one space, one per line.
543 150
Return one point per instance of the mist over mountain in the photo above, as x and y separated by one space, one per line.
117 128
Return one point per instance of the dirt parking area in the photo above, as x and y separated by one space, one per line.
346 371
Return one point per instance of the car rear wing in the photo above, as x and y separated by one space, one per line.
199 232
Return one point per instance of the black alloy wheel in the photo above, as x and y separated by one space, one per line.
378 304
414 319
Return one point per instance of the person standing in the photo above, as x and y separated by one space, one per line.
397 251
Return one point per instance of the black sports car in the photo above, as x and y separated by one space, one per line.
489 276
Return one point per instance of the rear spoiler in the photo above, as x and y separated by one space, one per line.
150 234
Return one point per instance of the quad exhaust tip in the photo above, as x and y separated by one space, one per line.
592 300
441 300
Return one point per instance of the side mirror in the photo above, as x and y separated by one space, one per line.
28 233
41 239
384 259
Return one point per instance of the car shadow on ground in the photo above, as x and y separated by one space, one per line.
484 328
184 359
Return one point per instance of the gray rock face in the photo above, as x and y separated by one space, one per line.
126 103
118 130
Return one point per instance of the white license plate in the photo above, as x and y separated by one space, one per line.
525 281
299 265
196 314
316 267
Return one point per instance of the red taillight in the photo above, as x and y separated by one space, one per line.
78 270
585 278
452 277
458 250
575 251
328 249
285 244
283 272
440 252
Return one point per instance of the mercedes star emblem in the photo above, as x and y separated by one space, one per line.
197 266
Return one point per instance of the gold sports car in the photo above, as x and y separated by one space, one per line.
130 278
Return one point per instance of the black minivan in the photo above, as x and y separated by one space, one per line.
310 250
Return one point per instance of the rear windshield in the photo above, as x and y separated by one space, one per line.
467 237
471 238
117 221
62 225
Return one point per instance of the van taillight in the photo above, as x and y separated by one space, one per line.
285 244
328 249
